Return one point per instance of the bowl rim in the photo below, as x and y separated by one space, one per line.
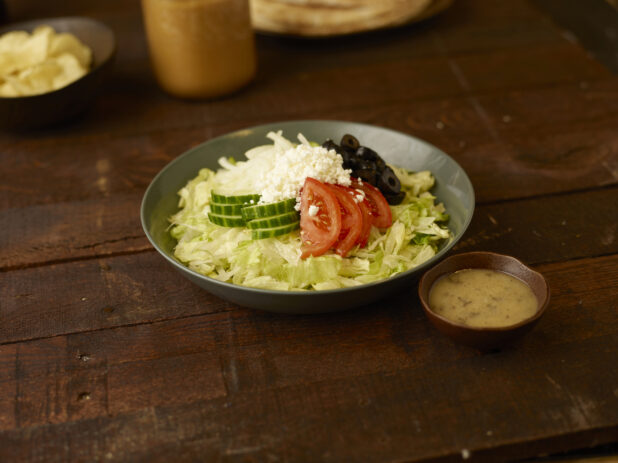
492 329
282 124
31 23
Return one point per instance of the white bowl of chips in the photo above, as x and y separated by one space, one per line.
51 69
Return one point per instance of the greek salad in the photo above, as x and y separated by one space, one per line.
304 216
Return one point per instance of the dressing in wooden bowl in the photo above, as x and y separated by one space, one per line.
482 299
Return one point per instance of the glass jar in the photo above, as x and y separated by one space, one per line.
200 48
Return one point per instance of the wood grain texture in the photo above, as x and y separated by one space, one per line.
572 146
374 371
95 294
597 31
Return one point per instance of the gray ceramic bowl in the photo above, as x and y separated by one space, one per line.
52 108
453 188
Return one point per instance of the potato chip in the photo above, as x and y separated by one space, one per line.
36 79
35 49
67 43
7 89
71 70
40 62
13 40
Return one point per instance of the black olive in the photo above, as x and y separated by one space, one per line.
366 175
395 198
349 141
331 145
366 153
388 183
350 162
370 155
356 163
365 165
347 159
346 154
350 152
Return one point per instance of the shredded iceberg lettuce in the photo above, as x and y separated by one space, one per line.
230 255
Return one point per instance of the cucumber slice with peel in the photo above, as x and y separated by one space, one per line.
274 221
226 209
226 220
264 220
238 199
267 210
261 233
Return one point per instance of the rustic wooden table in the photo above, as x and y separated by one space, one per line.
106 353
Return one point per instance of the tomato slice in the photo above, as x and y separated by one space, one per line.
319 231
351 219
363 237
380 210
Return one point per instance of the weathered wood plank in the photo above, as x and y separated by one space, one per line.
379 415
309 86
573 226
556 109
112 371
56 232
530 65
83 393
572 147
95 294
509 163
591 28
8 386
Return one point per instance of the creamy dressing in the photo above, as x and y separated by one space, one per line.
482 298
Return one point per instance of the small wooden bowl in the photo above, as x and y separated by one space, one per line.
484 339
55 107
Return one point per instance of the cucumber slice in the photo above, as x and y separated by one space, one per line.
226 209
268 210
240 199
274 221
226 220
262 233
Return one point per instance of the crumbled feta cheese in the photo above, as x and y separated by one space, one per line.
278 171
313 210
294 165
360 195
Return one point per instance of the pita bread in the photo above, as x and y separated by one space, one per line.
315 18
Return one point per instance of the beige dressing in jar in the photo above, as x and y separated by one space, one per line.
482 298
200 48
